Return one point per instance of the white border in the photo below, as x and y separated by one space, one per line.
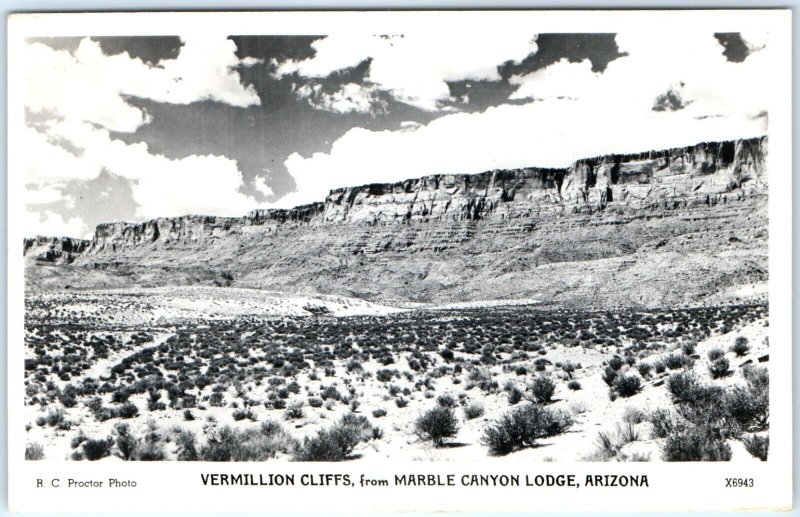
176 487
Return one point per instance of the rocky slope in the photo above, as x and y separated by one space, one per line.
657 228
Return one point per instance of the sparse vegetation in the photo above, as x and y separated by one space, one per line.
290 367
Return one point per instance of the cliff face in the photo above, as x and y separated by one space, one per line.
432 238
61 250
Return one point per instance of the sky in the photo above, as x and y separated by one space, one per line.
134 128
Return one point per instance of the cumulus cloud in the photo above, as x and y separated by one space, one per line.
415 68
89 86
50 224
349 98
207 185
573 113
80 97
260 184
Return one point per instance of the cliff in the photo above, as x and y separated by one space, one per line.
62 250
458 236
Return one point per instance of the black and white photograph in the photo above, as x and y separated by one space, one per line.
460 244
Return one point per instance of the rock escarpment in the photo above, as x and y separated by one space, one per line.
61 250
668 226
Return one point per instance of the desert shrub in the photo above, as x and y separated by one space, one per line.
514 395
400 402
757 378
633 415
542 389
34 452
627 433
279 404
294 412
241 414
757 446
95 449
682 385
187 446
627 385
740 346
574 385
188 415
228 444
315 402
473 410
719 368
615 362
644 369
715 353
217 399
688 348
749 409
664 423
609 376
378 413
385 375
447 354
354 366
119 396
293 387
127 410
521 428
660 367
568 367
607 446
676 361
125 441
336 443
330 392
437 424
446 400
694 444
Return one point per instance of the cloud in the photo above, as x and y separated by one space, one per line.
36 195
260 184
349 98
90 86
414 68
575 113
51 224
77 98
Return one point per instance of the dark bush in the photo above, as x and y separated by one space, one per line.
757 446
34 452
437 424
542 389
719 368
740 346
664 423
682 386
693 444
627 385
446 400
514 395
336 443
574 385
615 363
127 410
473 410
521 428
715 353
609 376
95 449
